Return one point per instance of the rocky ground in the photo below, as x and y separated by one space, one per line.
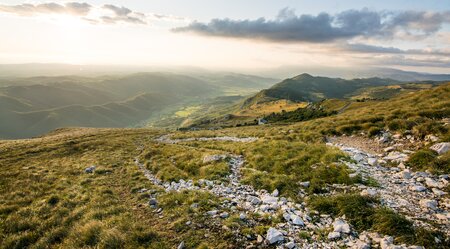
416 194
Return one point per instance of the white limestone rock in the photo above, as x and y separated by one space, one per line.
274 236
441 148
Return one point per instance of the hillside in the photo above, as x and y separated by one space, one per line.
33 106
305 87
237 186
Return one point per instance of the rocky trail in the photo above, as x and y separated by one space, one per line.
417 195
397 190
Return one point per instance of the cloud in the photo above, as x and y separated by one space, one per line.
71 8
106 14
364 48
289 27
122 14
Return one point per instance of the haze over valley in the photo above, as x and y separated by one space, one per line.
225 124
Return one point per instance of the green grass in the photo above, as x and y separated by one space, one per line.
426 159
47 201
363 214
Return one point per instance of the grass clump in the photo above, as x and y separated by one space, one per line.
426 159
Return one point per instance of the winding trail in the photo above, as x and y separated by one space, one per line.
247 199
244 199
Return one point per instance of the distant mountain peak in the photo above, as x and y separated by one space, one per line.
303 76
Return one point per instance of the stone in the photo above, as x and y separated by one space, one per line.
418 188
274 236
385 137
296 220
267 199
389 149
304 184
339 225
254 200
153 202
224 215
386 242
369 192
334 235
181 245
290 245
406 174
429 204
242 216
361 245
275 193
431 138
212 212
441 148
372 161
432 183
259 239
213 158
438 192
90 169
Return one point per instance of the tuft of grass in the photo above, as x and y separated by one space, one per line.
426 159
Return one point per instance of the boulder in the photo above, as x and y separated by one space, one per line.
275 193
224 215
441 148
181 245
274 236
340 226
242 216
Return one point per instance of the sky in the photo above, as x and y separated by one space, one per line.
231 35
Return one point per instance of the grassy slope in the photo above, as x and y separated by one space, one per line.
48 201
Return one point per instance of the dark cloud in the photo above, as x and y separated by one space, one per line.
72 8
289 27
